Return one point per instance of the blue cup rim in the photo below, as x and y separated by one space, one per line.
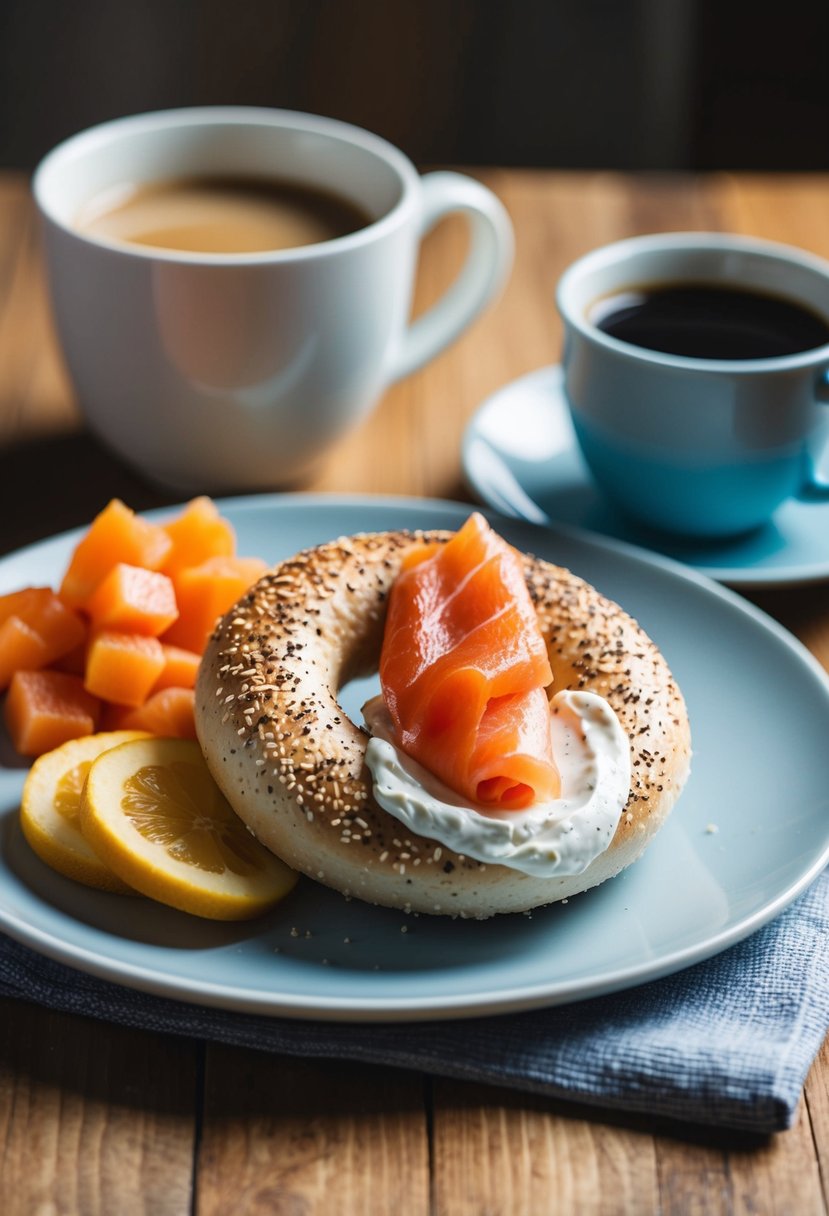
618 252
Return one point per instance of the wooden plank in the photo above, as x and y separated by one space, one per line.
93 1119
741 1175
292 1136
504 1153
35 396
816 1101
710 1172
781 207
781 1176
16 221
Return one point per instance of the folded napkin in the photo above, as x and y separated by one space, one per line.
726 1043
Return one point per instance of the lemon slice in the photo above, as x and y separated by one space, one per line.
51 802
152 811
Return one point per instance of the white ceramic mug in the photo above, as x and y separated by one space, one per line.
700 447
235 371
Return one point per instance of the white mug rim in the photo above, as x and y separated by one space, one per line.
196 116
617 251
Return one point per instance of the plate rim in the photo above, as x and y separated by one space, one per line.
741 577
445 1006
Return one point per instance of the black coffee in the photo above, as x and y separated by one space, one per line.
703 321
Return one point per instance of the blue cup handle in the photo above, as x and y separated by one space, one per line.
815 485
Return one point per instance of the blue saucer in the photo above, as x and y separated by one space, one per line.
520 456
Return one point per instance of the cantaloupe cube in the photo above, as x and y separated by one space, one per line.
39 632
21 649
180 668
116 535
168 714
61 628
45 708
198 533
123 667
20 603
205 592
133 600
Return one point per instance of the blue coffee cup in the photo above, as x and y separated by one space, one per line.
701 447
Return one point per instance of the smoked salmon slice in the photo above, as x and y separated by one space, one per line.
464 671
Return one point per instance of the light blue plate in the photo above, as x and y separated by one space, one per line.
759 708
521 457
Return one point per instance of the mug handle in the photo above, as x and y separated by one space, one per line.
480 279
815 485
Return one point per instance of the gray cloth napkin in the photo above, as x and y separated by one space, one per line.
726 1043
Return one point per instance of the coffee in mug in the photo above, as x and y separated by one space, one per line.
709 321
231 354
220 214
696 371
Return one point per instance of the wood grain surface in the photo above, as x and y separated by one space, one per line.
99 1119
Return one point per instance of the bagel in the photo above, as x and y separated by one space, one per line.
292 763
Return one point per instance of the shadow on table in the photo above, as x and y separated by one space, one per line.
49 485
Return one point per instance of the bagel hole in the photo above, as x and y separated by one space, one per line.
354 694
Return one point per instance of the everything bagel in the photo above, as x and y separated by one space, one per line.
292 763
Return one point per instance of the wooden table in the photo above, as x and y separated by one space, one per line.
100 1119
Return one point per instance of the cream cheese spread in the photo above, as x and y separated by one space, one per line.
550 839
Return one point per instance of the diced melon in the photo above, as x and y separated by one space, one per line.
61 628
205 592
21 649
46 708
168 714
122 639
117 534
123 667
41 630
180 668
198 533
133 600
21 603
